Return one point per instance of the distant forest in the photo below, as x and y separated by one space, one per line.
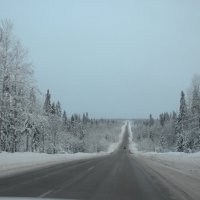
173 131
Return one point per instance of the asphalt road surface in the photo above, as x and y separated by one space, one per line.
118 176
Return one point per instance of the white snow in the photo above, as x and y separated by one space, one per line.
11 163
179 172
132 145
189 163
115 145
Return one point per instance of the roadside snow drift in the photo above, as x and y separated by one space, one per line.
18 162
132 145
115 145
179 172
189 163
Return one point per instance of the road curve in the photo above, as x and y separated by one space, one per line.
117 176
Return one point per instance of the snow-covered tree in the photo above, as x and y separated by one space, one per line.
47 104
180 143
163 143
195 107
58 109
53 109
16 82
151 120
183 114
64 118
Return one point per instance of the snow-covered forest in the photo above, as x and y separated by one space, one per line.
29 124
175 131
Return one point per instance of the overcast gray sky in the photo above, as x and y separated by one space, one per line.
112 58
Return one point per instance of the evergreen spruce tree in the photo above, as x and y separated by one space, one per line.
183 115
195 101
72 119
87 116
180 143
47 103
162 120
162 143
181 125
53 109
58 109
195 107
174 115
64 118
84 119
151 120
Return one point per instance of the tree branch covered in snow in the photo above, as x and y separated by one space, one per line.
26 124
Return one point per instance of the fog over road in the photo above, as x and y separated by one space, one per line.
118 176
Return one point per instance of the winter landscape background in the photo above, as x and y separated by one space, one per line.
100 99
29 124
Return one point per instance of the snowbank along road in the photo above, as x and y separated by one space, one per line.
118 176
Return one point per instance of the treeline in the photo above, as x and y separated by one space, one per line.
27 123
173 131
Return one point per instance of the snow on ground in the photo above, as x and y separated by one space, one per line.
18 162
132 145
179 172
115 145
11 163
188 163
